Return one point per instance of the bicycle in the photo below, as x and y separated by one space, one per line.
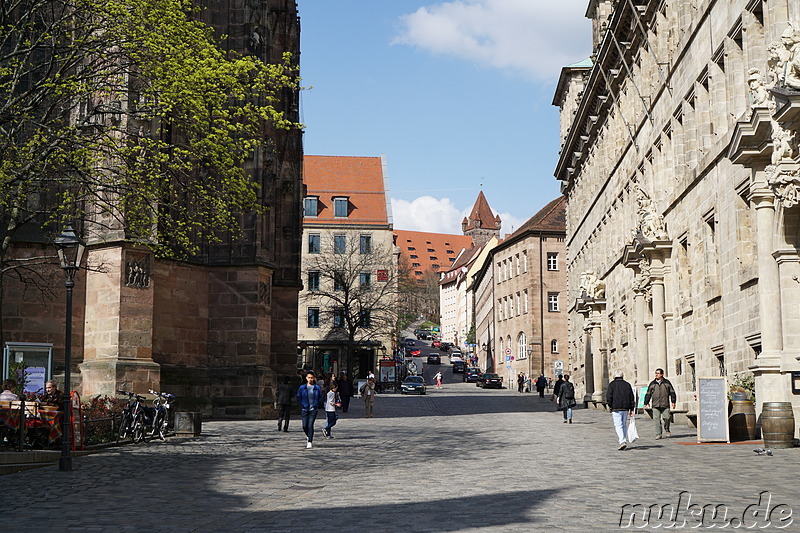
132 424
161 419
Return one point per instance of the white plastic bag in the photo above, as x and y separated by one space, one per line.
632 433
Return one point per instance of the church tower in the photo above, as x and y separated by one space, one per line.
481 224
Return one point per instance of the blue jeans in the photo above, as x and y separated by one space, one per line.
620 425
309 417
332 417
567 412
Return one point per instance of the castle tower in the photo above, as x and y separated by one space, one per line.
481 224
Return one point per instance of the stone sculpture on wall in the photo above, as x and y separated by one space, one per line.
759 95
651 224
785 185
592 287
791 42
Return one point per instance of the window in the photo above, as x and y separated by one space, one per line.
338 317
431 250
552 261
525 300
339 244
313 243
516 263
552 302
365 279
313 280
511 306
365 244
433 258
522 347
415 264
313 317
311 206
519 307
554 346
338 281
414 256
525 260
340 207
500 308
364 319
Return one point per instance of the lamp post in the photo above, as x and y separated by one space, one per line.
70 251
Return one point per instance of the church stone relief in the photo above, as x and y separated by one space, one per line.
651 224
137 272
591 286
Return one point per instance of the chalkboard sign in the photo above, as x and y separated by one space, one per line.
712 413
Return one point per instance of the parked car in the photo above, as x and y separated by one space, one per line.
415 352
459 366
436 343
490 381
473 374
434 359
413 385
444 346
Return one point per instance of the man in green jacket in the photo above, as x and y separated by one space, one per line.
661 394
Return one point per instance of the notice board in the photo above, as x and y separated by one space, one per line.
712 410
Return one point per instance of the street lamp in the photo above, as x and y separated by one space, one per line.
70 251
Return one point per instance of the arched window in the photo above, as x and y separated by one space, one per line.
554 346
508 343
502 351
522 347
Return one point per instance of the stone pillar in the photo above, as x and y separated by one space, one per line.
118 342
588 364
598 352
769 386
642 349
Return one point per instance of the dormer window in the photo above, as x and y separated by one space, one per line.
311 206
341 207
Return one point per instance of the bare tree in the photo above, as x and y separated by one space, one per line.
357 293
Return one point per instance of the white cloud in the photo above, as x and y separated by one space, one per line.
427 213
536 38
434 215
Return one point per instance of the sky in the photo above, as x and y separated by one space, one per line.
456 95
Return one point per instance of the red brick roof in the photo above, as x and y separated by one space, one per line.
415 248
360 179
483 214
552 217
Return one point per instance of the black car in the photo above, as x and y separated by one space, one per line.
490 381
434 359
413 385
472 375
459 366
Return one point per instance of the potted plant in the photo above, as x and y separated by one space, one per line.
742 388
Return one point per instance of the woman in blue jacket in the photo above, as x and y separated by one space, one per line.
310 398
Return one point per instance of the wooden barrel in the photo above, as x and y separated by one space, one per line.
742 420
777 424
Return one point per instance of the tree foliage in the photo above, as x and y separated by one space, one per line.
129 115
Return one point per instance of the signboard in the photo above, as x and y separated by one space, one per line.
359 384
712 410
383 275
34 379
387 370
508 351
642 393
558 368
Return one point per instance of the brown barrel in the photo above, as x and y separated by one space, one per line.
777 424
742 421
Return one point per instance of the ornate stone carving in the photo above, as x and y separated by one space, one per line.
592 287
785 184
651 224
759 95
783 143
791 68
137 272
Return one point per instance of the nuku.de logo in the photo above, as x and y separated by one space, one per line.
685 514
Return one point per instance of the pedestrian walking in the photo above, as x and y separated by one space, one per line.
661 394
310 398
520 381
331 403
621 401
438 379
367 392
566 399
345 391
541 384
557 387
284 401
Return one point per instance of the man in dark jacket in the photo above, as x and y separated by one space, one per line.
661 394
310 398
620 400
284 401
345 391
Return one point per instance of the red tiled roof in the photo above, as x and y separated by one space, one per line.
360 179
552 217
418 243
483 213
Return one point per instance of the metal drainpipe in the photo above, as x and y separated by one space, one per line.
541 298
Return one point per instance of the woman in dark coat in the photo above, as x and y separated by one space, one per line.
566 399
345 391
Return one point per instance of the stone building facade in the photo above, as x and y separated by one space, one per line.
347 232
678 164
217 329
519 285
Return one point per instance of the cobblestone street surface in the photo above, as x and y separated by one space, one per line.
459 459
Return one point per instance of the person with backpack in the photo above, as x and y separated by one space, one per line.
566 399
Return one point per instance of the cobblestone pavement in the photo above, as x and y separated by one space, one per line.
459 459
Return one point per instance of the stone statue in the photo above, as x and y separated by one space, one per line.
785 185
791 41
651 224
759 96
642 280
782 143
776 59
592 286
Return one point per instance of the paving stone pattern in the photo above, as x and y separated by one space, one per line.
459 459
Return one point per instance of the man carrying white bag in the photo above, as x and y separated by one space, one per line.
621 400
